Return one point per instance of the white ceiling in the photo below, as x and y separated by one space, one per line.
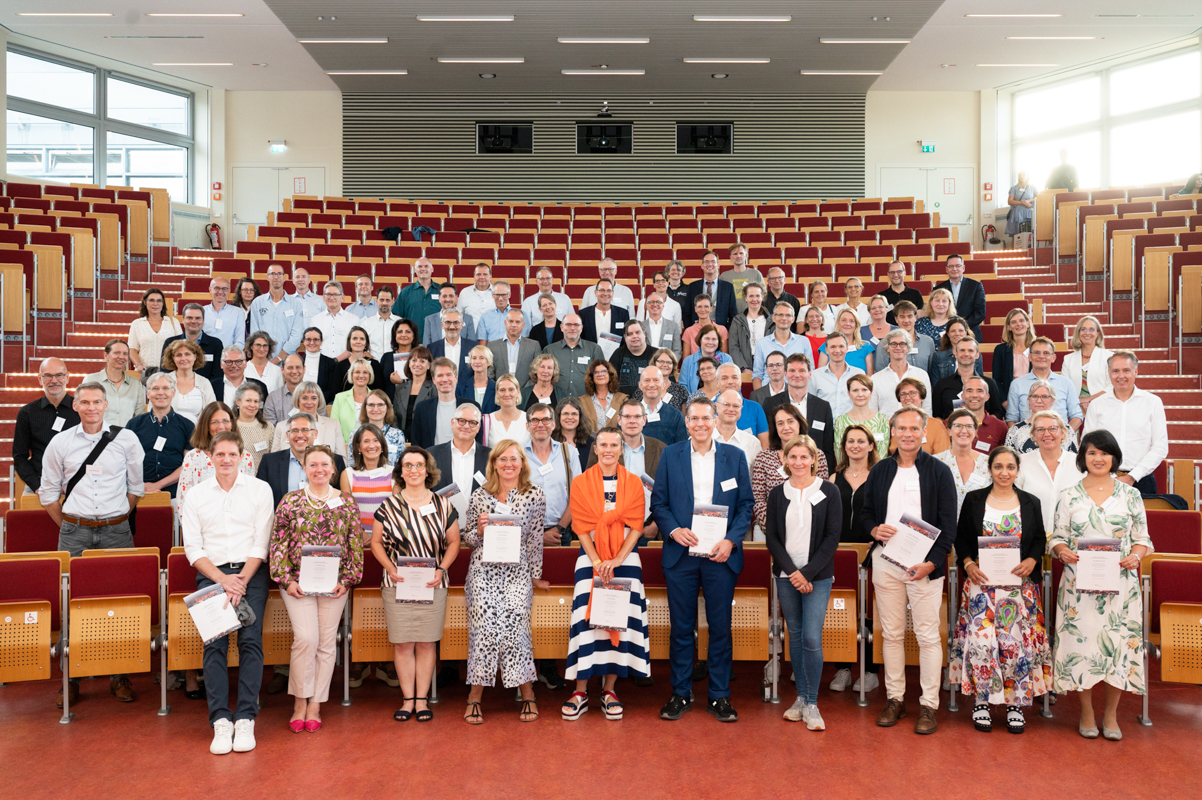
267 34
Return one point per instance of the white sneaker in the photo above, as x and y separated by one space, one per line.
871 681
795 711
812 718
244 736
839 684
223 737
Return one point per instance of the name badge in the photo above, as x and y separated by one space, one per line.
913 351
208 357
480 477
292 412
93 469
434 296
546 400
545 469
427 509
875 340
619 325
781 471
982 446
818 425
582 360
817 498
335 502
611 413
160 443
912 486
503 508
924 438
289 313
653 417
260 447
58 423
730 484
467 359
218 325
993 514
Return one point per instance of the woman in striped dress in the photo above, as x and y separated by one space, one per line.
370 482
607 515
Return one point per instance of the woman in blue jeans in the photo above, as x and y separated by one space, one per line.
804 520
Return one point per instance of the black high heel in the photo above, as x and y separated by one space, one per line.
425 715
401 715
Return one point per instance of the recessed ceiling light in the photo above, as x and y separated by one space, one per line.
838 72
602 40
1014 15
60 14
1052 38
603 72
191 64
369 72
448 60
864 41
1017 65
727 60
488 74
465 18
740 18
195 15
343 41
720 75
154 37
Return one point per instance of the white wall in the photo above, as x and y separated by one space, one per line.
894 122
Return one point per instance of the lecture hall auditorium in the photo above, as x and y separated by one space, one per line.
1052 148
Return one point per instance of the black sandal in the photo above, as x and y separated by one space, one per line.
526 709
981 719
473 715
426 714
401 715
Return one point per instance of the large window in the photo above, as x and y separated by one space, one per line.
75 123
1127 125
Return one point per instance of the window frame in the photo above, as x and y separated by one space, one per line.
100 122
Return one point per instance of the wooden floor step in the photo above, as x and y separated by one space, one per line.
1183 413
1076 309
29 380
111 328
1174 390
1185 430
94 341
1191 449
1147 368
84 365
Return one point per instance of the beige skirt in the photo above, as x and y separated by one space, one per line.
414 622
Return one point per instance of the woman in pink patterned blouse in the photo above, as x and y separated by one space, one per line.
767 471
198 466
317 514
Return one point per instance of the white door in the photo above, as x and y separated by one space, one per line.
258 190
944 189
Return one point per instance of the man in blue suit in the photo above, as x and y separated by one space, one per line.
700 470
721 293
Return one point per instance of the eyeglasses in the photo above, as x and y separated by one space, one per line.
466 423
899 344
965 426
540 420
1040 397
450 323
909 396
1044 431
725 404
631 417
259 344
295 431
233 363
56 376
707 418
412 467
312 340
220 289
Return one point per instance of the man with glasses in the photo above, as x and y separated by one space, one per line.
335 323
310 301
1137 420
776 292
752 419
512 353
476 300
967 295
897 291
379 325
700 471
318 367
125 394
462 461
450 343
604 317
991 431
194 323
922 347
574 354
434 323
721 293
730 409
563 304
432 416
552 466
622 297
284 470
491 324
884 381
830 382
364 306
419 299
677 289
41 420
663 422
233 368
1067 403
222 320
281 316
948 390
671 309
662 333
814 410
783 339
740 274
774 368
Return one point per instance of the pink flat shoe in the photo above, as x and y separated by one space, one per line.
296 725
312 725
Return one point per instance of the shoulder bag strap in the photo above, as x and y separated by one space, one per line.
107 437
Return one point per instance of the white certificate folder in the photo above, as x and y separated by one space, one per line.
212 612
319 569
611 604
998 557
1098 570
709 526
417 572
503 539
911 544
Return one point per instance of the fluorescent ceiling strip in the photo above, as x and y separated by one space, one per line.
864 41
1009 16
727 60
464 18
369 72
602 40
343 41
719 18
1052 38
195 15
60 14
1016 65
603 72
838 72
191 64
447 60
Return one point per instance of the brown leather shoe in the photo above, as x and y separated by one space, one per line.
122 689
893 711
927 723
72 693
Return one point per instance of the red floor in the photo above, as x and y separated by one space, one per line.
126 751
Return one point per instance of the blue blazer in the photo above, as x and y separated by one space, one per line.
725 307
467 394
672 498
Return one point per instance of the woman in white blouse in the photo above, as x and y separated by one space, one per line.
854 289
216 418
510 421
1086 366
818 302
1051 469
308 397
192 392
259 347
969 466
148 332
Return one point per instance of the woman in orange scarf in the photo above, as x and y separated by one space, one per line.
608 509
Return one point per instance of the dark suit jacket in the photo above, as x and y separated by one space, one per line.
467 394
539 334
971 305
273 468
654 449
211 346
826 525
438 349
442 458
425 419
327 371
938 503
672 499
762 395
819 420
401 403
618 318
972 516
218 385
725 306
945 392
1003 370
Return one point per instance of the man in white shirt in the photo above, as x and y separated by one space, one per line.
854 289
740 274
434 326
335 323
363 307
379 325
884 382
452 342
782 339
227 528
310 301
830 382
730 408
563 303
623 297
1137 420
671 310
476 300
223 321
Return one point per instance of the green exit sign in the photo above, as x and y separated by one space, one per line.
928 146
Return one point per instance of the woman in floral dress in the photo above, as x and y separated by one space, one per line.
1099 637
1000 653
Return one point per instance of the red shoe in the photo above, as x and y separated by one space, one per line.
296 725
312 725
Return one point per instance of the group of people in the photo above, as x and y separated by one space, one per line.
545 426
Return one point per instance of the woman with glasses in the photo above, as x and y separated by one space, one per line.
148 332
1086 366
377 411
259 347
244 293
768 468
1050 469
307 397
601 399
405 340
417 386
969 466
690 368
544 375
912 392
509 421
253 427
572 428
192 392
1041 396
690 338
198 465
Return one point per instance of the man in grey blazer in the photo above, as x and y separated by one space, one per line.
448 300
662 333
774 367
513 354
574 354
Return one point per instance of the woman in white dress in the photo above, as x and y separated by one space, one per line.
259 347
1086 366
969 466
192 392
308 397
510 421
148 332
1051 469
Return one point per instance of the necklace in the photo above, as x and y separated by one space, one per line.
414 502
314 500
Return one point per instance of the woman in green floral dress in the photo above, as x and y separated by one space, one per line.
1099 637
